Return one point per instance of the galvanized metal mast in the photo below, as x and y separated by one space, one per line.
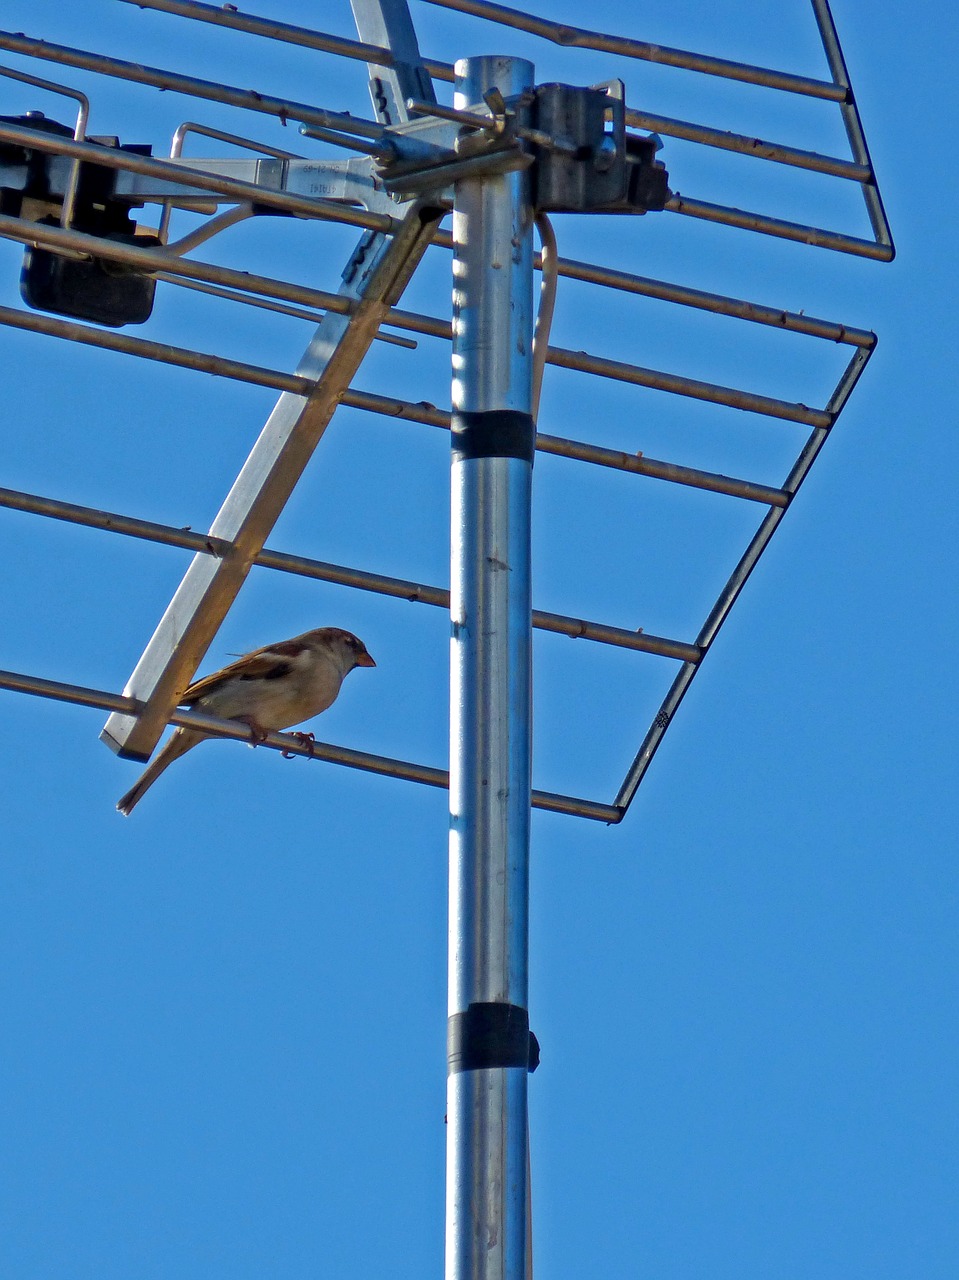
490 705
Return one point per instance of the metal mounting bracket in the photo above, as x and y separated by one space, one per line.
595 169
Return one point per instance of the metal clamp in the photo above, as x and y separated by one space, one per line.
591 167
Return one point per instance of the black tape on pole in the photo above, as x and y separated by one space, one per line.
490 1034
494 433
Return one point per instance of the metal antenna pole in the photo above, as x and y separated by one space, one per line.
490 705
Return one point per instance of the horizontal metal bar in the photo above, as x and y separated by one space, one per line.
391 407
746 221
384 152
387 406
234 139
574 807
692 387
433 176
286 32
173 82
230 189
167 264
162 262
735 584
489 123
342 575
76 694
34 322
219 366
747 146
719 304
239 285
607 277
623 371
329 753
737 308
342 182
581 361
579 451
580 38
280 308
250 300
639 464
580 629
417 107
208 544
93 518
860 169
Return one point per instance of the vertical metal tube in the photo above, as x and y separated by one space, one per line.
490 706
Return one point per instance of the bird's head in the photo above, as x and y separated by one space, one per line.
348 649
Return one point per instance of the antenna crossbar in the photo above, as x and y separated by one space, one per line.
148 260
580 361
749 146
341 575
290 745
727 216
173 82
338 126
388 406
571 37
288 33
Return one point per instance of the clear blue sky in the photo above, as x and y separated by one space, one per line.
223 1020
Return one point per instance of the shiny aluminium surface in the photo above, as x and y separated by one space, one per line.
490 701
490 731
486 1169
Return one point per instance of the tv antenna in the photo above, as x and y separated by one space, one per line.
507 152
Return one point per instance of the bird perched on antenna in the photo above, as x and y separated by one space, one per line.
269 689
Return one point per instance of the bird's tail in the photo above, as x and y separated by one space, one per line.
181 742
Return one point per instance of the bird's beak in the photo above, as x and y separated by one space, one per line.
364 660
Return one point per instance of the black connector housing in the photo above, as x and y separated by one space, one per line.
93 289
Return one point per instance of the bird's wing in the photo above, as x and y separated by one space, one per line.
268 663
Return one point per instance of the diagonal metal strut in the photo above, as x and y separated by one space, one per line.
265 483
374 280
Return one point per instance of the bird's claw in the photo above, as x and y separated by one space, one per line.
257 733
306 740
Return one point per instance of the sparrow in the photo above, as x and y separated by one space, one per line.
271 688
